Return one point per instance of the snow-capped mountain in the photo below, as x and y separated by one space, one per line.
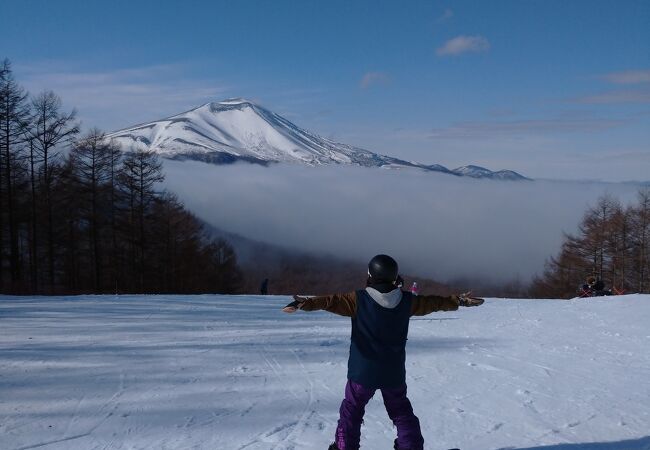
240 130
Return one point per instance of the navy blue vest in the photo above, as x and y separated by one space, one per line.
378 344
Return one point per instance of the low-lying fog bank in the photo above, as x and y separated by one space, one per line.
438 226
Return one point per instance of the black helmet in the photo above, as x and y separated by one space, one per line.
383 269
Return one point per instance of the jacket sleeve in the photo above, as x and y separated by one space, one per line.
422 305
341 304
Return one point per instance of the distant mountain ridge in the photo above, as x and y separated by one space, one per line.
240 130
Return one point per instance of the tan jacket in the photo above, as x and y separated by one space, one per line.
346 304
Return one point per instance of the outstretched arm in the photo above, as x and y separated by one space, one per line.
341 304
426 304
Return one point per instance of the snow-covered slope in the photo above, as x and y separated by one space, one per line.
238 129
233 372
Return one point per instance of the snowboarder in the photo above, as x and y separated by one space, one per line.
380 317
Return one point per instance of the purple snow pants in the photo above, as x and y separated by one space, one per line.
398 406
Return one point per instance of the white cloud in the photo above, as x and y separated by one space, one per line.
374 78
616 96
121 97
526 127
464 44
628 77
436 225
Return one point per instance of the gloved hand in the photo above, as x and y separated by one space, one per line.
295 305
466 299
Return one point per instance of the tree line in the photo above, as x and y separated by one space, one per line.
612 243
78 215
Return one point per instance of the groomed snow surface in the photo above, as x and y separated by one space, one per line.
233 372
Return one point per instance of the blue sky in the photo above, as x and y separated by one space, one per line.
553 89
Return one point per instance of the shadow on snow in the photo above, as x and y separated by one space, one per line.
630 444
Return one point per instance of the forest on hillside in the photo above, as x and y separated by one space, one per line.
78 215
612 244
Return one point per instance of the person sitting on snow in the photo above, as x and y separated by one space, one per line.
599 289
380 318
587 289
591 281
598 285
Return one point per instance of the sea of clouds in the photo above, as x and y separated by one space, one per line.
436 225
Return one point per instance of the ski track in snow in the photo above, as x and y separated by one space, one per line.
234 373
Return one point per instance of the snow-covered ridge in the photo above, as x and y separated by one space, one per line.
240 130
482 172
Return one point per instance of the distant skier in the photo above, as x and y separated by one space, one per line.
264 287
380 318
415 290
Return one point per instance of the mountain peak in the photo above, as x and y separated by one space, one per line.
235 101
226 105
